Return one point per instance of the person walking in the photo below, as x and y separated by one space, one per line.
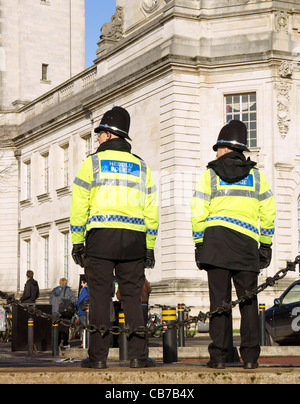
83 301
31 290
114 200
58 294
233 214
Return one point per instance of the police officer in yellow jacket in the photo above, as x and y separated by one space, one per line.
233 213
114 224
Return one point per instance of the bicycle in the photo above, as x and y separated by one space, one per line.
155 320
5 324
190 329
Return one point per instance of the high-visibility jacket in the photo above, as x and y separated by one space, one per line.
247 206
114 189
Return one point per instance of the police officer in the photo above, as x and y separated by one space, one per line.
114 224
233 213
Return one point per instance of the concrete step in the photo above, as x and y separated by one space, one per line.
195 352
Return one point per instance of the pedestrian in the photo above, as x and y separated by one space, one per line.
114 200
31 290
83 301
233 213
58 295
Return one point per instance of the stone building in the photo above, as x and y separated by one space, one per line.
182 68
41 45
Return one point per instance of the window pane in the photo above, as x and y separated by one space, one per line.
293 295
243 107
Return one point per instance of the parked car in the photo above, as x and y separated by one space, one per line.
283 319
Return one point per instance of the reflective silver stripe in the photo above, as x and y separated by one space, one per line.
265 195
115 183
234 192
143 176
202 195
213 183
151 190
96 168
82 184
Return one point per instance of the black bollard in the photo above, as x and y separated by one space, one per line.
181 340
55 350
262 324
30 329
169 336
123 342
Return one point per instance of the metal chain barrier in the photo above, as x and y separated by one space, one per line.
202 317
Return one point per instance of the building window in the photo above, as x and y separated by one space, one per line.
86 145
45 72
243 107
46 262
66 165
28 254
45 173
28 179
66 255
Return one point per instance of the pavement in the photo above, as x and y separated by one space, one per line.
278 365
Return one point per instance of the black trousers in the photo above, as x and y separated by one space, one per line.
220 288
130 277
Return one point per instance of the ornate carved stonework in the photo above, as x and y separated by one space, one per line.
283 89
149 6
281 21
113 30
283 107
286 69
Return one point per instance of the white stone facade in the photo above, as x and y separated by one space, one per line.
36 33
177 66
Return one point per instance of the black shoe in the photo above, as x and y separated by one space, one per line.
86 363
249 365
142 363
216 365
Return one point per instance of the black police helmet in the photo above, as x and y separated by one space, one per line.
116 121
234 136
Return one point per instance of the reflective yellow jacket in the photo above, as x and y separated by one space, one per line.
247 206
114 189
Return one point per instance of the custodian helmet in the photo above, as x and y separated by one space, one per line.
116 121
233 135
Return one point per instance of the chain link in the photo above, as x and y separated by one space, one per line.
141 330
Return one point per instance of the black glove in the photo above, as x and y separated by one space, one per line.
265 255
78 254
198 252
149 259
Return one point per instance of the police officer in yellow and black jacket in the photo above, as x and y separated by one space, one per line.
233 213
114 225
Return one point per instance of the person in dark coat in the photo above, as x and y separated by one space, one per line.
31 291
63 291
